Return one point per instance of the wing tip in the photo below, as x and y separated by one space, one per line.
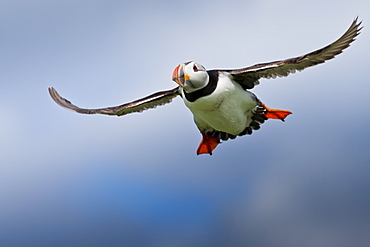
60 100
54 94
51 91
357 25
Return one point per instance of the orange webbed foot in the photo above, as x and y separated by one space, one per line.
275 113
208 144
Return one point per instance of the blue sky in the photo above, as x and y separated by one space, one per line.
76 180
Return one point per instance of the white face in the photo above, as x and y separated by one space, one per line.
191 76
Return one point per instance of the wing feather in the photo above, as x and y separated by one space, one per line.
151 101
248 77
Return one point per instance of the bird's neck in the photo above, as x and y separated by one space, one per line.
207 90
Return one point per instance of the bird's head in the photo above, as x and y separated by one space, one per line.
191 76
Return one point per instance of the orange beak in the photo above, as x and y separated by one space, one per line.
178 75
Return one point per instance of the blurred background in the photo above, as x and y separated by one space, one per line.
77 180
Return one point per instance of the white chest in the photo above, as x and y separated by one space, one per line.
229 108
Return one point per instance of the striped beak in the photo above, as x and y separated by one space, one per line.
178 75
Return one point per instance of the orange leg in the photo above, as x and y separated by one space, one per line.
275 113
208 144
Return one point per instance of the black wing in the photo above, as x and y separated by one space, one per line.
248 77
151 101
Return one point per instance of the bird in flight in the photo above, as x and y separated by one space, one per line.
220 100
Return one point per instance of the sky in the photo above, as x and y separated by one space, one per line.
68 179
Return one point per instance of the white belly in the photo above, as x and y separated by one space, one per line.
228 109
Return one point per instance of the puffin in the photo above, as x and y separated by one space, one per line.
220 100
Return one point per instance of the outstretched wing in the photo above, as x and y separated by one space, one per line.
248 77
151 101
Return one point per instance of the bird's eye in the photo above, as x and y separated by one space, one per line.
195 68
